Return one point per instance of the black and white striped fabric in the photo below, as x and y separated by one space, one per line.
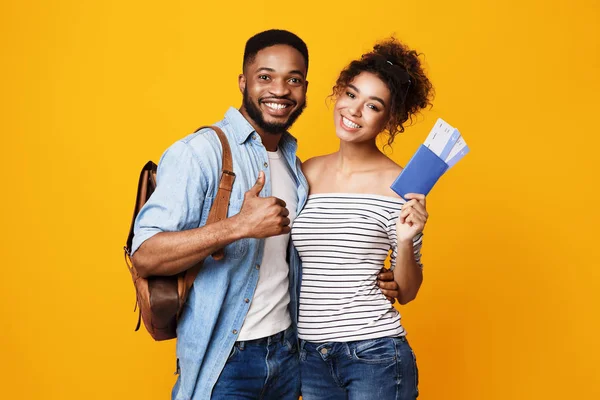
343 240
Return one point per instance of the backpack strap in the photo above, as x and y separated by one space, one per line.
146 183
220 206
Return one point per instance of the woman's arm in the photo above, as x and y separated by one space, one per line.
408 272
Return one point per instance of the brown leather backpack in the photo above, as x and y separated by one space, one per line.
161 298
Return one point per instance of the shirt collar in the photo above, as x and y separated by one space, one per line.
242 129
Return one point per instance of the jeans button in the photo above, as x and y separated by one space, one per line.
323 350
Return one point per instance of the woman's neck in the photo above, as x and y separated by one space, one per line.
357 157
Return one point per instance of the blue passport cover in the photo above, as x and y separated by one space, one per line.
420 174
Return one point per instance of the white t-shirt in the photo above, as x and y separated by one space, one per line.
268 313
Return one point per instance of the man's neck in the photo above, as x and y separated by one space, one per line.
270 140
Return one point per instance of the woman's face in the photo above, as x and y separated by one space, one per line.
362 109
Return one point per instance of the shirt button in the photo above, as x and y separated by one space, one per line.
235 331
257 266
246 300
253 137
323 351
265 165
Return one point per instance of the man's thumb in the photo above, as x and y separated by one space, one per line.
260 183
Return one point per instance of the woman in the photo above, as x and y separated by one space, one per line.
353 345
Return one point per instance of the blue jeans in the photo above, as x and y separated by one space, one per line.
264 368
378 369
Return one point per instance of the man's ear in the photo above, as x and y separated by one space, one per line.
242 83
306 86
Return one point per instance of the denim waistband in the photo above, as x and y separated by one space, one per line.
319 345
275 338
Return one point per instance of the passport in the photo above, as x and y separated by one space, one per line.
443 148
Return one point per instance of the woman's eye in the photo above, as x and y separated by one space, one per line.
373 107
351 95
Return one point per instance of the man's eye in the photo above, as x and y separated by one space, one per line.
295 80
263 77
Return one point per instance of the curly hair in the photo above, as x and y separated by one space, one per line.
400 69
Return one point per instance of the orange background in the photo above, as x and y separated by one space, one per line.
92 90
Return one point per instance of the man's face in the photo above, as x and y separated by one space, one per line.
274 88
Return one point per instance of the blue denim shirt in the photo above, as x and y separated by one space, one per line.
188 177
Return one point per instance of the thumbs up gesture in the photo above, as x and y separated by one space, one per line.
263 217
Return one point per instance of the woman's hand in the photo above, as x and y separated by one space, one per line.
413 217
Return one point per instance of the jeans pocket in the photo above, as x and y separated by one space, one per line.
375 351
233 352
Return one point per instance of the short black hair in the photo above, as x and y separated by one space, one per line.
270 38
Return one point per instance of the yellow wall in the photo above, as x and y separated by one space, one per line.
91 90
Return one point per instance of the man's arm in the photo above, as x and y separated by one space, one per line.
169 253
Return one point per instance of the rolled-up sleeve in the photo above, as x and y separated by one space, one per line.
177 202
391 231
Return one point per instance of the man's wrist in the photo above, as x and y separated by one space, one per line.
237 227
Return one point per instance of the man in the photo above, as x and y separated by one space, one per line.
237 333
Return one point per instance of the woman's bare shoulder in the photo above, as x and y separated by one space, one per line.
388 174
313 168
314 164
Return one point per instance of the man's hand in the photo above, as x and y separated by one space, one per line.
389 287
263 217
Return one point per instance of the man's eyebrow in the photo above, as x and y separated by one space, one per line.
265 69
294 71
297 71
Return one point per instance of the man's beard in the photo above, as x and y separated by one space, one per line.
269 127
